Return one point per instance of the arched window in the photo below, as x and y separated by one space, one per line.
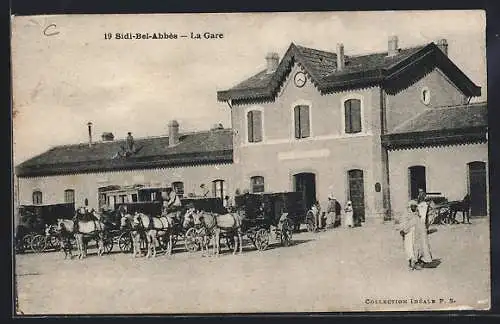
37 197
218 189
69 196
352 116
254 123
257 184
302 122
178 186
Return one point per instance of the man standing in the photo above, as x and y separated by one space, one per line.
173 203
204 190
330 212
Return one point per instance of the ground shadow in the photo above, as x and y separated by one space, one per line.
432 265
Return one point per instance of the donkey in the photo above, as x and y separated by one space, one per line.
227 224
82 230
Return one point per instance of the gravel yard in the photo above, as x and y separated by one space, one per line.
360 269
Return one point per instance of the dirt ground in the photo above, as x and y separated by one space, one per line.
360 269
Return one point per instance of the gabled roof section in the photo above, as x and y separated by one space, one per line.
441 126
205 147
393 72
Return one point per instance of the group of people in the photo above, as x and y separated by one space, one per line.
332 217
413 230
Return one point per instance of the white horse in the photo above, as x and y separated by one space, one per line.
154 227
215 225
84 229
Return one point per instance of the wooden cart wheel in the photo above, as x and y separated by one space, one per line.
27 239
54 243
191 241
286 233
262 239
108 244
39 243
125 242
310 222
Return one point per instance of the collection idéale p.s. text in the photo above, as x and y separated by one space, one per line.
165 35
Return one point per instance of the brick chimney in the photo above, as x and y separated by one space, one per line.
107 137
443 45
89 125
340 57
392 46
273 61
173 133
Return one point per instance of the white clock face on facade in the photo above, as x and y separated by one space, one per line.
300 79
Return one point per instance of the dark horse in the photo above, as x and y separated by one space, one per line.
460 206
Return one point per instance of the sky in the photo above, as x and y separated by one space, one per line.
73 75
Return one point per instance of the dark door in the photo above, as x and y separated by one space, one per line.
357 193
477 188
306 183
417 180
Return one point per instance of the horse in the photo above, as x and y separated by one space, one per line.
217 224
127 223
84 229
462 206
154 227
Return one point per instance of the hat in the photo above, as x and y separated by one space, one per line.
349 202
412 203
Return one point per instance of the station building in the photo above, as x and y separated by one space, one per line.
369 128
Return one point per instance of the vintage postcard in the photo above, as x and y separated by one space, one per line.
250 163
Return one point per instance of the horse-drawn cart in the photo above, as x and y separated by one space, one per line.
36 223
266 213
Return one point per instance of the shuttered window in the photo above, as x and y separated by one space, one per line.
352 116
69 196
37 197
257 183
218 189
254 120
302 123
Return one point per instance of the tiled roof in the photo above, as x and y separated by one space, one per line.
359 71
213 146
456 117
441 126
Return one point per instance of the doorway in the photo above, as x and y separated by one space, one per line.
357 193
416 180
477 188
306 183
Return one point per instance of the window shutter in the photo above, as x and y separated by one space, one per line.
257 126
250 125
297 121
355 116
304 121
347 114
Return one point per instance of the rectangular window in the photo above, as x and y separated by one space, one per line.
123 198
218 189
69 196
178 186
134 197
257 184
254 119
37 198
352 116
302 122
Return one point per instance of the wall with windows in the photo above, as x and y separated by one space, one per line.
446 171
433 90
318 116
58 189
304 131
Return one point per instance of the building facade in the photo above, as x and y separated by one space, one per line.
367 128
